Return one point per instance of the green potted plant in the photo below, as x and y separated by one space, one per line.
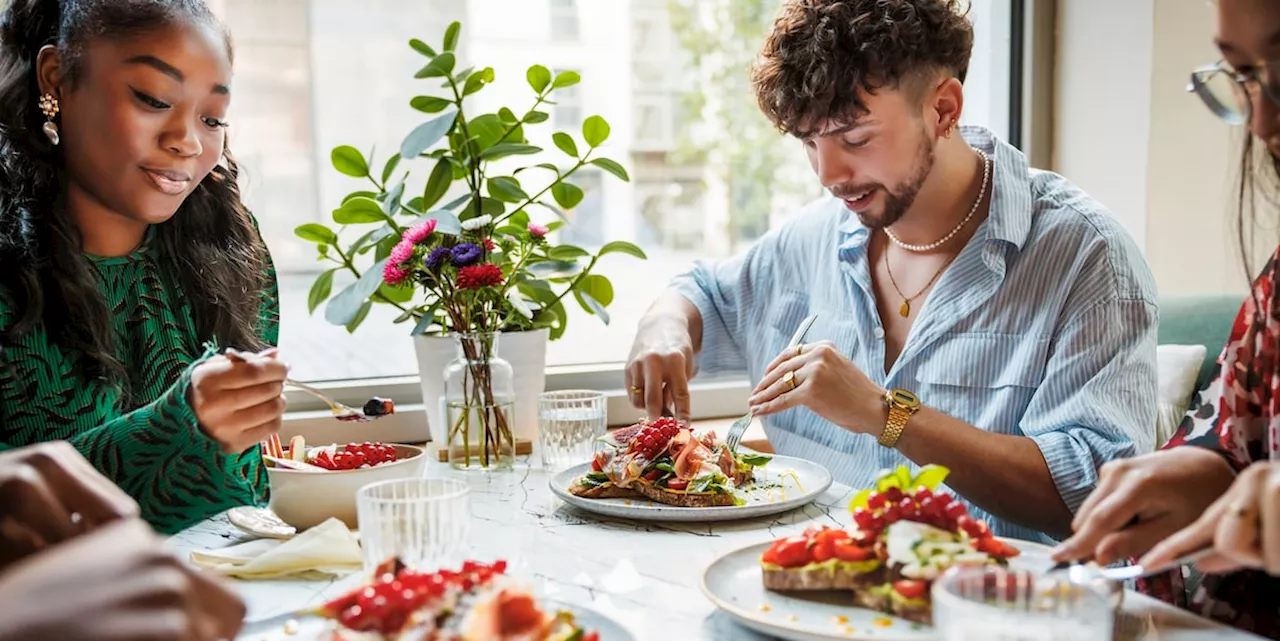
413 253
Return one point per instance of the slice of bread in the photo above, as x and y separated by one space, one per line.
682 499
819 578
603 491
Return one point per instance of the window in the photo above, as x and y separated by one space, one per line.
312 75
564 19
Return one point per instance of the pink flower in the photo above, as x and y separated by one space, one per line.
419 232
401 253
394 274
537 231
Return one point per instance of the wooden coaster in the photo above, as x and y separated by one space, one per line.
523 447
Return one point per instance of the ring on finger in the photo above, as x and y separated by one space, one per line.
636 390
790 379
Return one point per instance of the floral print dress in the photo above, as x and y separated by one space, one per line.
1238 416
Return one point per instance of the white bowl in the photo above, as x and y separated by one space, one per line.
306 499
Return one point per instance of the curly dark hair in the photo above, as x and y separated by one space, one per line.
211 246
822 54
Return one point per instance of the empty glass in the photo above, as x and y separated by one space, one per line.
425 522
998 604
568 422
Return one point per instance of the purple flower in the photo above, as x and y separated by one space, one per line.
438 256
465 254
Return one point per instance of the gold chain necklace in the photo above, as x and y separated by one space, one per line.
905 309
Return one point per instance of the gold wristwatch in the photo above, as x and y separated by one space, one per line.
902 406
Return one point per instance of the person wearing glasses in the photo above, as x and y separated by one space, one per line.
1214 489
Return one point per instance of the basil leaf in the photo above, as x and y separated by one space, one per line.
755 460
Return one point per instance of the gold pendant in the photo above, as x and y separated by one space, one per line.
905 310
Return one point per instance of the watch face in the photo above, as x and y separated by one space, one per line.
904 399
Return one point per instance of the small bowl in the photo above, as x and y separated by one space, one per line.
305 499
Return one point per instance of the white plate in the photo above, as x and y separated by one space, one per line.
813 481
318 629
733 582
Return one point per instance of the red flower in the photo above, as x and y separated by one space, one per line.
488 244
478 276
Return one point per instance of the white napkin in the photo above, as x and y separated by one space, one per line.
325 551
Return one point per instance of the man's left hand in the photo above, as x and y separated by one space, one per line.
819 377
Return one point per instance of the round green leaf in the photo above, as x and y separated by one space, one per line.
567 195
507 189
359 194
595 130
611 167
565 143
430 104
451 36
427 134
320 290
422 48
535 117
350 161
391 165
359 210
539 77
439 67
567 253
395 294
623 247
598 287
316 233
566 79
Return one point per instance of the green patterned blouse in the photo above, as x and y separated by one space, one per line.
153 449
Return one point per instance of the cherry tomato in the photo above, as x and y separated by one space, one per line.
852 552
676 484
911 589
652 475
823 549
791 552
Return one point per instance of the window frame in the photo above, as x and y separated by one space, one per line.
724 396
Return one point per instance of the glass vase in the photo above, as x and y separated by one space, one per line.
479 394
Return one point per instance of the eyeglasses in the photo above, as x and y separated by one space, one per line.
1229 94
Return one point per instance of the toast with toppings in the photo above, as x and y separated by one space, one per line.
668 463
905 536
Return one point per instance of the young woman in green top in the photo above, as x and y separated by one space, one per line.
127 258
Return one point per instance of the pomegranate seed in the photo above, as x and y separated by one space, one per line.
923 493
892 514
956 509
863 518
893 495
875 501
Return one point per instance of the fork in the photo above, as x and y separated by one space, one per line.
740 426
340 411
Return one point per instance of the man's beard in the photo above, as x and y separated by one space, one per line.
897 200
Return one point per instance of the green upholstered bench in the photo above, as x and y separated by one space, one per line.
1199 319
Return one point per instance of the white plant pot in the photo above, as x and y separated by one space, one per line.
527 353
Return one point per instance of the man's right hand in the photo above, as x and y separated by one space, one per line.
114 584
661 364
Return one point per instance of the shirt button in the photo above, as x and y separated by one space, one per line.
879 333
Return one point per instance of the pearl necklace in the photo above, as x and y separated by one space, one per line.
986 175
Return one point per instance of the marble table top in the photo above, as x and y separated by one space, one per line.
646 576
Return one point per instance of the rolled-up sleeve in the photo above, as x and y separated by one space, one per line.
1097 401
730 295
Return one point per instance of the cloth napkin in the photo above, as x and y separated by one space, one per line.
325 551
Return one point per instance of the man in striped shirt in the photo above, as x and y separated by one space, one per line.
971 312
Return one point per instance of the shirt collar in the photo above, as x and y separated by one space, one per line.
1009 220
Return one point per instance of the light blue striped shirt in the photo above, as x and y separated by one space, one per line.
1044 326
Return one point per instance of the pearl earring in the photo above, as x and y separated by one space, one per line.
49 105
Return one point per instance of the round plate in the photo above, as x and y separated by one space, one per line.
734 584
774 491
318 629
260 521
